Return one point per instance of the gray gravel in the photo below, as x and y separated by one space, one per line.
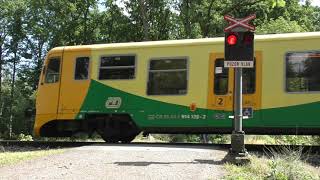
127 162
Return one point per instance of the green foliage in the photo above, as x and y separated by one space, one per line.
220 139
279 25
23 137
277 3
288 165
296 140
177 138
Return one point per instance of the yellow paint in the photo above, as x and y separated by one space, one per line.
72 92
225 102
40 120
254 100
219 102
197 73
273 75
270 52
67 116
48 93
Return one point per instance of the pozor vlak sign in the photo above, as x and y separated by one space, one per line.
239 42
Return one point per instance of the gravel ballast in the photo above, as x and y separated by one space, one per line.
123 162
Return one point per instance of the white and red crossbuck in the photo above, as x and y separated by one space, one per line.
239 22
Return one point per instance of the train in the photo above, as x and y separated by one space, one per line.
179 86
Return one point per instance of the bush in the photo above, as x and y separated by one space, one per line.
296 140
287 165
220 139
22 137
290 165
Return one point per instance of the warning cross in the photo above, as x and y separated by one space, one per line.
239 22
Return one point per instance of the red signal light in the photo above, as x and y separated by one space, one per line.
232 39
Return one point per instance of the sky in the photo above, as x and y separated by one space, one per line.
314 2
120 3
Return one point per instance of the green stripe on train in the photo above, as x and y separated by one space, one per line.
151 113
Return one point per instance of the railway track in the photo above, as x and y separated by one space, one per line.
249 147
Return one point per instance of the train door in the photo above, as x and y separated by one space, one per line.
221 87
220 95
48 90
74 82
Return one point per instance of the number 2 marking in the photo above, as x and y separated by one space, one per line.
220 101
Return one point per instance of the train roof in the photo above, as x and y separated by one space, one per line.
194 42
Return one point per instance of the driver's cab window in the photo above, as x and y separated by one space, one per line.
53 70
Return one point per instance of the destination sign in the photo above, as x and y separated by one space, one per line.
243 64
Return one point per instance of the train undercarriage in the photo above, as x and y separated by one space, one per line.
112 128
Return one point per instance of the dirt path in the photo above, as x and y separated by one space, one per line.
122 162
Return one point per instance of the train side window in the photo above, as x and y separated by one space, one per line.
168 76
81 71
302 71
221 75
53 70
117 67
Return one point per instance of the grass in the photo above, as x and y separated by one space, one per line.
282 139
9 157
287 165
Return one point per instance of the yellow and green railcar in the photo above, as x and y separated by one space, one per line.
179 86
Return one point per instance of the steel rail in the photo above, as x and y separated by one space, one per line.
250 147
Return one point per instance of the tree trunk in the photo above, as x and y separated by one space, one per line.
144 20
12 92
110 29
38 65
1 103
86 38
187 24
0 73
207 21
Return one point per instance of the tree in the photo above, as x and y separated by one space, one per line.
4 21
17 34
114 25
187 16
150 20
37 37
279 25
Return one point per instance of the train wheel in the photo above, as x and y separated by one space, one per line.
109 137
116 139
119 128
112 140
127 139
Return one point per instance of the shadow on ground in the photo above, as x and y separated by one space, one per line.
147 163
227 158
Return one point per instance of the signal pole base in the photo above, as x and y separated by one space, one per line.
237 142
238 152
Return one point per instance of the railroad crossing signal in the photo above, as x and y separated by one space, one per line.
239 42
239 49
239 22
